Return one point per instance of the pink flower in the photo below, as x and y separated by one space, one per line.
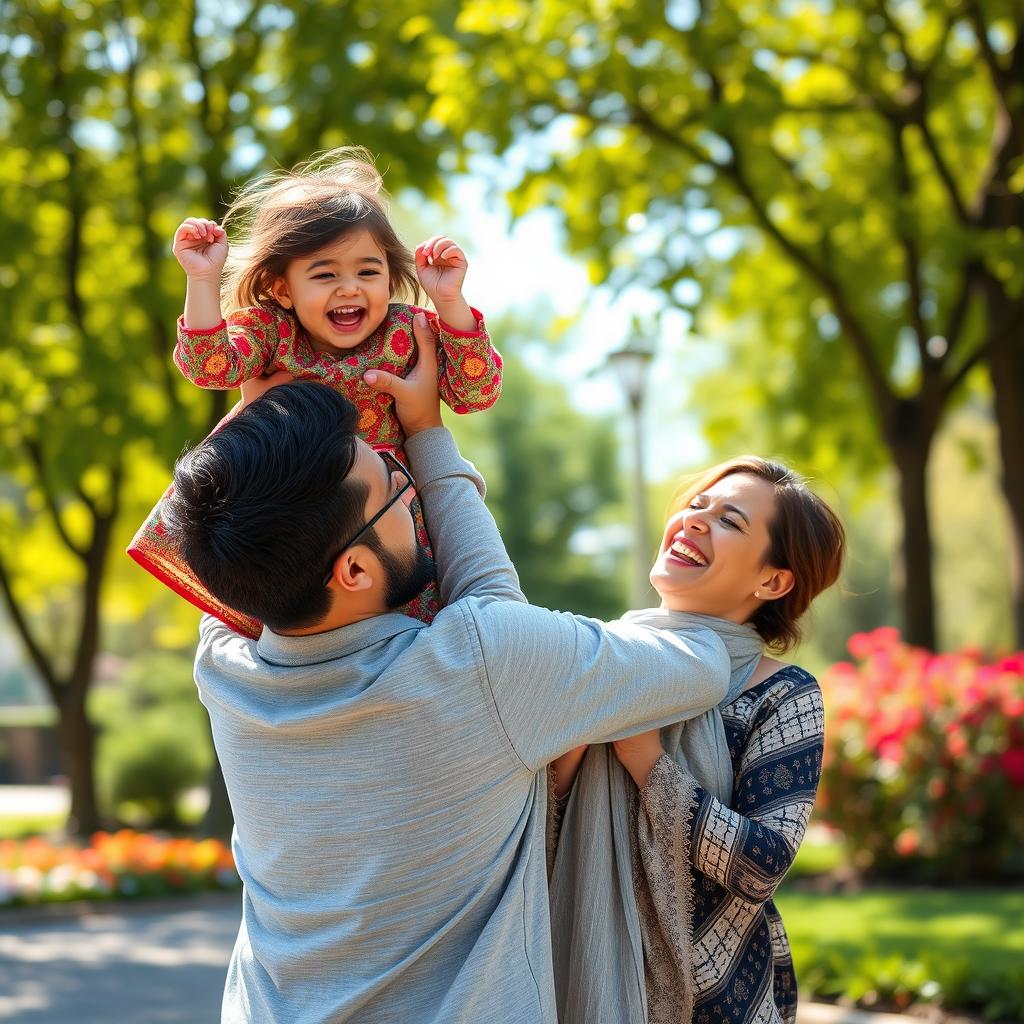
907 842
1012 763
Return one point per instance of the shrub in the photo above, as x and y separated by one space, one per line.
924 761
152 765
154 738
875 980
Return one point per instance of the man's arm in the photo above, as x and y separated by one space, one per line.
468 550
560 680
470 556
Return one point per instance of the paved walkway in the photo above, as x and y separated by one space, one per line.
158 963
138 966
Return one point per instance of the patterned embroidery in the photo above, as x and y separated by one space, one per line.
742 966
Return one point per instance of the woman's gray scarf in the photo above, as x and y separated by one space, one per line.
596 927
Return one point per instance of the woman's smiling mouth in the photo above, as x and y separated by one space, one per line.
686 553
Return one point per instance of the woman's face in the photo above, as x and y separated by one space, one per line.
713 553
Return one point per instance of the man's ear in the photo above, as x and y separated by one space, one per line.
279 290
775 583
352 571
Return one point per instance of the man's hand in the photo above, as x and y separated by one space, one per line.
637 754
417 399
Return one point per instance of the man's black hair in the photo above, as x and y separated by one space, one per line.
259 506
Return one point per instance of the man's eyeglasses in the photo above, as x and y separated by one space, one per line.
394 466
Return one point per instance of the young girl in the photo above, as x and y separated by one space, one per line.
310 285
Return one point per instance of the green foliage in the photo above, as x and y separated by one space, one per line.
154 737
151 766
829 191
116 121
959 950
551 473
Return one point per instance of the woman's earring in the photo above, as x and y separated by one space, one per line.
757 593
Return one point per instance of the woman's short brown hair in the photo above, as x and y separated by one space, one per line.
286 215
805 536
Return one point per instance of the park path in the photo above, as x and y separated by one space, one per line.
157 963
162 964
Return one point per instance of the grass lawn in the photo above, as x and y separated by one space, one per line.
984 927
961 948
21 826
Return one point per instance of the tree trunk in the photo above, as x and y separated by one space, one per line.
910 456
77 745
1006 365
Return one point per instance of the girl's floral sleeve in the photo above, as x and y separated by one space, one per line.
749 850
240 348
469 368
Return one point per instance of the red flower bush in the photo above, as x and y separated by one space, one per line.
924 760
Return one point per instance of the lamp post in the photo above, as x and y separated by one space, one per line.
630 365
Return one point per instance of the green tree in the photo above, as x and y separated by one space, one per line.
116 120
551 473
861 163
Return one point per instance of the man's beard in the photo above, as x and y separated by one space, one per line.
406 578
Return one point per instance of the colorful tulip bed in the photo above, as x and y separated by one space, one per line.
924 762
122 865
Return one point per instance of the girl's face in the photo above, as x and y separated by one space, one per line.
339 293
713 553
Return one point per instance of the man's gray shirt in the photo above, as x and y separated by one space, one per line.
387 780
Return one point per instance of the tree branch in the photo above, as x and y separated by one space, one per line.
143 198
996 73
35 653
941 167
951 384
735 170
911 256
38 460
958 311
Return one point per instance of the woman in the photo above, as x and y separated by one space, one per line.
668 846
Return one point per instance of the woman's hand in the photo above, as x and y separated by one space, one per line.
566 768
441 268
201 247
637 754
417 398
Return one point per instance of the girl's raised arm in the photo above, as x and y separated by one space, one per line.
201 247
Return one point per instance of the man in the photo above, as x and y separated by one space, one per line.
386 776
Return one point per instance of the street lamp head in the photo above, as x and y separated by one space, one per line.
630 365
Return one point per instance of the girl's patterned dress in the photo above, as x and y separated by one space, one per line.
260 340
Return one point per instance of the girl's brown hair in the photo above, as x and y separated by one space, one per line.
805 536
286 215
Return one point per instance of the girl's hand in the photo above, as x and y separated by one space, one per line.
441 267
201 247
637 754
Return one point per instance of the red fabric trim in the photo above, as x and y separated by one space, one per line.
478 333
139 558
199 332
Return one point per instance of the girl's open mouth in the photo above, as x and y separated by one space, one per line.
347 318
